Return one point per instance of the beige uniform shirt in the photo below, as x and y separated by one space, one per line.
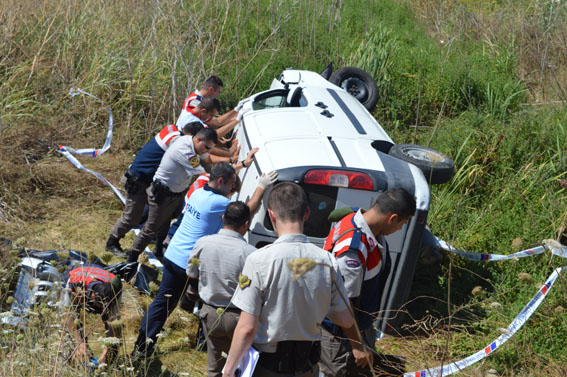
221 258
288 309
179 164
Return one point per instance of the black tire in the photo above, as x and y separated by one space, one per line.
358 83
436 167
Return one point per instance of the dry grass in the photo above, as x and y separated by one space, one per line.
531 36
116 50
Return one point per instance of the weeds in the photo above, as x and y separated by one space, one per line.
500 102
477 61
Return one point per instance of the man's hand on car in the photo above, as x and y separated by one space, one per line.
250 158
235 150
267 179
240 104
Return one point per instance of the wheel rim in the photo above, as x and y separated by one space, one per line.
424 155
356 87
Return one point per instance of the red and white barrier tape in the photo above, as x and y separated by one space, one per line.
553 246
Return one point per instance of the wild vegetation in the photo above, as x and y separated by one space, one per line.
483 81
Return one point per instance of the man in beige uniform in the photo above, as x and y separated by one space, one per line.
221 258
179 164
281 313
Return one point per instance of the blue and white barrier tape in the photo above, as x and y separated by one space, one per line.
555 248
514 326
93 152
66 151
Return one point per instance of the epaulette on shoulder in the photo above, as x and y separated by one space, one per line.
338 214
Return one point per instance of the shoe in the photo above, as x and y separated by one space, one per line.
113 245
142 356
130 270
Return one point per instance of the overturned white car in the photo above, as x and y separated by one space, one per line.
318 135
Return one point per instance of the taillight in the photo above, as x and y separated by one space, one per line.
339 178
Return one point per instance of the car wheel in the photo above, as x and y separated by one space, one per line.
358 83
436 167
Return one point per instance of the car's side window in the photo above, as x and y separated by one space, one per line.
279 98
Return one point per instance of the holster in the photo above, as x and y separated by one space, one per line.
161 191
133 183
292 356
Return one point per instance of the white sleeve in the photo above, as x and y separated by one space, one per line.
351 269
189 161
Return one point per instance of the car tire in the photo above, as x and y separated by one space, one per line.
436 167
358 83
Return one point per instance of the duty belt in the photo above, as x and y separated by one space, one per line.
137 178
291 356
229 309
158 187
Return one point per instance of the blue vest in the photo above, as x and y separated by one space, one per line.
149 157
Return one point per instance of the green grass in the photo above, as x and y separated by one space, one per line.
482 59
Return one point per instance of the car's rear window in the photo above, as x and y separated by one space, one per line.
322 200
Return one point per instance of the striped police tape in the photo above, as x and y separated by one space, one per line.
555 248
65 152
93 152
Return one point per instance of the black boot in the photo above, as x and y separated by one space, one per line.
113 245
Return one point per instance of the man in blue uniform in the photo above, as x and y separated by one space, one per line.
138 178
165 195
203 216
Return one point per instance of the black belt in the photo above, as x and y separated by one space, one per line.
160 188
230 309
137 178
291 357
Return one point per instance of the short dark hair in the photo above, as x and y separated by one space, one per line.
208 134
213 81
192 128
104 293
397 201
236 214
209 104
288 201
222 170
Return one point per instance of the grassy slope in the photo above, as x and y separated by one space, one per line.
141 60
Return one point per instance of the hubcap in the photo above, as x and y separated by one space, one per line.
424 155
356 87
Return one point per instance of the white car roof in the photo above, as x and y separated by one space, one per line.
301 136
292 137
